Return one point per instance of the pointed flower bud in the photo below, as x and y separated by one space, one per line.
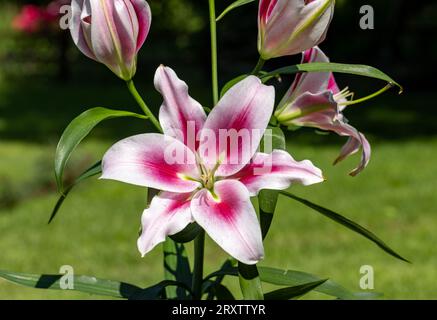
288 27
111 32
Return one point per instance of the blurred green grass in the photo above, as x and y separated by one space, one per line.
96 230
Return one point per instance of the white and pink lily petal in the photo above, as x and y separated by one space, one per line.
168 214
230 220
277 171
180 116
152 160
234 128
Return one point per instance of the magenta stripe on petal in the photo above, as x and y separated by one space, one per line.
277 171
152 160
230 220
234 128
144 16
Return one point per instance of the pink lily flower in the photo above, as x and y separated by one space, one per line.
111 32
209 182
288 27
314 100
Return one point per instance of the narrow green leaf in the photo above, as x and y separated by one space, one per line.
293 278
91 285
356 69
293 292
176 268
209 285
77 130
267 199
298 278
81 283
90 172
231 7
225 270
346 223
250 282
231 83
157 291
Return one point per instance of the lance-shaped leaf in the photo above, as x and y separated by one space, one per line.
77 130
293 292
250 282
346 223
233 6
355 69
291 278
90 172
91 285
298 278
209 285
268 198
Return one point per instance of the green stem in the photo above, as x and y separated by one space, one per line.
199 246
199 242
259 66
133 90
213 27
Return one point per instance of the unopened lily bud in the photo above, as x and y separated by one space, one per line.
288 27
111 32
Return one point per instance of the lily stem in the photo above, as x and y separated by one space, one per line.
259 66
213 28
199 242
199 251
133 90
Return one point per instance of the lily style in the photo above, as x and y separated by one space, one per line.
111 32
288 27
315 100
214 182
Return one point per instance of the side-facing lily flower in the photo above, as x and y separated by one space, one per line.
201 182
288 27
314 100
111 32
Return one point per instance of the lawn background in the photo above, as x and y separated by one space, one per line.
96 230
